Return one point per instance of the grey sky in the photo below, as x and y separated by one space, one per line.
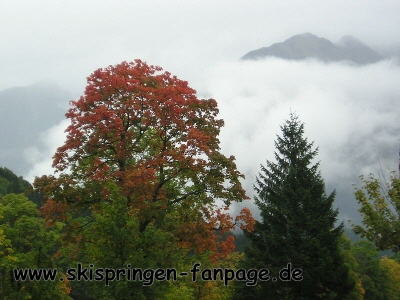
65 41
350 112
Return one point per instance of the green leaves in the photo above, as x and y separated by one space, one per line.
25 243
380 208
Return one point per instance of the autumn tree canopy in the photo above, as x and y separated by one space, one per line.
146 131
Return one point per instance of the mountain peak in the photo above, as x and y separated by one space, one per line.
308 45
306 35
348 39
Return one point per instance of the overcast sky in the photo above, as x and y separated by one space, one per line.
65 41
350 112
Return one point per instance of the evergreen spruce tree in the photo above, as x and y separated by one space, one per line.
297 226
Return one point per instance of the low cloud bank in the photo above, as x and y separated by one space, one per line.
40 157
350 112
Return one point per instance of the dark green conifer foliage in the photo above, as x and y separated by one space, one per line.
12 184
297 226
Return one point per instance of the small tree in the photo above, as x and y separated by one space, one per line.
380 208
297 225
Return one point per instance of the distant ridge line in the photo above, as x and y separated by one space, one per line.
308 45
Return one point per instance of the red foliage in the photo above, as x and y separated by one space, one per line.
245 220
131 114
146 131
54 211
206 234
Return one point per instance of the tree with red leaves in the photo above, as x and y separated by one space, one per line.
145 132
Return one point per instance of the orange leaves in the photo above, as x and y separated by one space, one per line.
63 286
54 211
211 233
139 183
245 220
